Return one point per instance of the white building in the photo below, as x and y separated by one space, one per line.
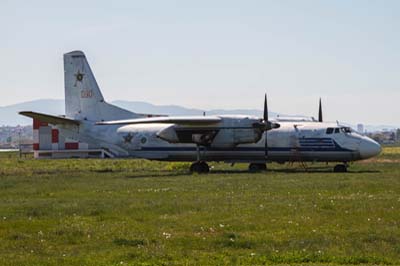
360 128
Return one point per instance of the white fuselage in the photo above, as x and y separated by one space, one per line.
89 118
293 141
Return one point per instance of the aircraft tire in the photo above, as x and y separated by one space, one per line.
257 167
204 167
340 168
199 167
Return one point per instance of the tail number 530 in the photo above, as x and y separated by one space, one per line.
86 93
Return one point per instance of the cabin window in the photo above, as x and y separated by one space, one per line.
337 130
329 130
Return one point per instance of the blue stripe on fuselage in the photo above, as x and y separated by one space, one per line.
316 148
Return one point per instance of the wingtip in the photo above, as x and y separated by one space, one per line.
24 112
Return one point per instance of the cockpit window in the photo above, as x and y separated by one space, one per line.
337 130
329 130
346 129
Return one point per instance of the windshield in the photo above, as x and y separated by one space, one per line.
346 129
331 130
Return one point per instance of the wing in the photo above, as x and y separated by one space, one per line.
51 119
179 120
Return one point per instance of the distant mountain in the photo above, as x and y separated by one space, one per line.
147 108
9 114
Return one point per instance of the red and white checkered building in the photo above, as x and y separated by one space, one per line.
49 143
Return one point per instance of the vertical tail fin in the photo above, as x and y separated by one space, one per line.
83 98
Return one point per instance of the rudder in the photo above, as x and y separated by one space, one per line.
83 98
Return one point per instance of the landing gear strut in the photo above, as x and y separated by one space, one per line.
200 167
257 167
340 168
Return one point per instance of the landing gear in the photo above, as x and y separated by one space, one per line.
257 167
200 167
340 168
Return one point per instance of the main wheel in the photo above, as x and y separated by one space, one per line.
340 168
200 167
204 167
257 167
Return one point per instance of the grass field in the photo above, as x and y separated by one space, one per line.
131 212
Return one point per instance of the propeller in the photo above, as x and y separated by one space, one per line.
264 125
320 112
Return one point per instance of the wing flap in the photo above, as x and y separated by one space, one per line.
181 120
51 119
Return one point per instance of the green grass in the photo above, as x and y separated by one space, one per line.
136 212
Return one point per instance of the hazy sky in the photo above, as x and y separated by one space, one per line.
212 54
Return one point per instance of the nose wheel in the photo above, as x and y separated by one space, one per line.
200 167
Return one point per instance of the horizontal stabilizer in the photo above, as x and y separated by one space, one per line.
51 119
184 120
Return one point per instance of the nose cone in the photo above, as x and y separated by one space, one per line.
369 148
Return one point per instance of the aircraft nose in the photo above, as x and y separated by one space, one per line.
369 148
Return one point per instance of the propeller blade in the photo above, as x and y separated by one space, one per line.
265 109
266 144
320 112
266 124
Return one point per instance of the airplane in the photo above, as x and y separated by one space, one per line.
198 139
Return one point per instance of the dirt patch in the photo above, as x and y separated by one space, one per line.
380 161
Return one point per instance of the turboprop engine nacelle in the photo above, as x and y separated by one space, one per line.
238 130
230 132
177 134
168 134
233 137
